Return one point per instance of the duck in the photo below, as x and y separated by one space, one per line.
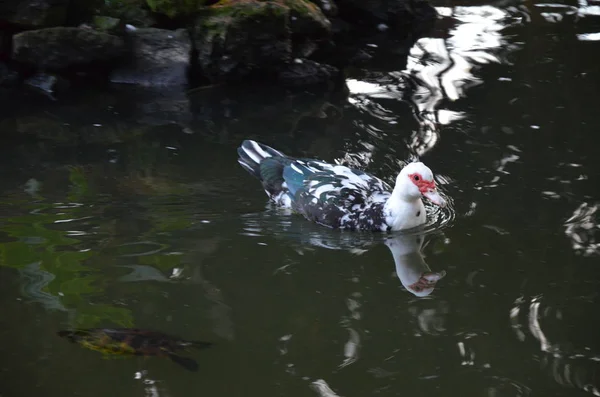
341 197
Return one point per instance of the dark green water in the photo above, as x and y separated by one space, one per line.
122 210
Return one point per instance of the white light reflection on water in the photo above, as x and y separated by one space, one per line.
589 37
581 229
570 363
560 13
322 389
443 69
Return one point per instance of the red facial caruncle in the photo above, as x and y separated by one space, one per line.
423 185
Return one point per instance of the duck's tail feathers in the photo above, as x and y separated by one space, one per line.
252 153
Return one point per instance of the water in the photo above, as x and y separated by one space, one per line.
123 210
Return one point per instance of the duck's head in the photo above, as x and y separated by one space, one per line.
416 180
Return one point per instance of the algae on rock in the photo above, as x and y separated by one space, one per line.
177 8
234 38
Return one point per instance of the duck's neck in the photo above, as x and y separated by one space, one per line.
402 212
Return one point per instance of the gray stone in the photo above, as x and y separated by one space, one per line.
34 13
61 47
129 12
328 7
158 58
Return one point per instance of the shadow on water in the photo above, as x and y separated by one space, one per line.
128 208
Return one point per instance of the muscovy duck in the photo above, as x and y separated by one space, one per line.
340 197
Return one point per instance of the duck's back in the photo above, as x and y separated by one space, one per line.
337 196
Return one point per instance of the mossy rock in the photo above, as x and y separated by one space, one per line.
177 8
63 47
134 12
108 24
304 16
237 37
307 18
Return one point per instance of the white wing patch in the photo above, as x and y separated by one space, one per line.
295 168
323 189
255 155
258 150
363 187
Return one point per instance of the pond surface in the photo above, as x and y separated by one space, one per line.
124 209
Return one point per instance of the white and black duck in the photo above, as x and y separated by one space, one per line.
340 197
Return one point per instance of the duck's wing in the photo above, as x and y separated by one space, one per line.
326 192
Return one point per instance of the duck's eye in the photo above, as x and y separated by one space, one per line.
416 177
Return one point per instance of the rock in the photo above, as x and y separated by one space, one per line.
303 72
8 77
61 47
306 19
328 7
133 12
158 58
177 8
108 24
233 40
236 38
47 84
34 13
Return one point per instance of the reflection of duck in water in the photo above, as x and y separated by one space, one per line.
414 274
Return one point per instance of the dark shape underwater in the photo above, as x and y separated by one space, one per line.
135 342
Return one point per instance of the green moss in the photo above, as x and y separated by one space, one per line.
217 19
107 24
309 17
176 8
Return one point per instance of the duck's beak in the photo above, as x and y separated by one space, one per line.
435 197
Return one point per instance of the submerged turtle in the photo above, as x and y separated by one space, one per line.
134 342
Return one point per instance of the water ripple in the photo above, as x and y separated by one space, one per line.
304 234
439 70
571 362
581 229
